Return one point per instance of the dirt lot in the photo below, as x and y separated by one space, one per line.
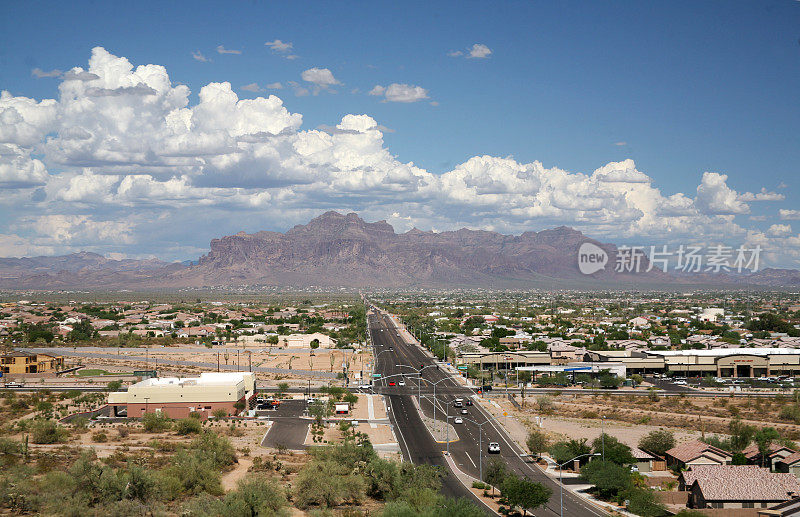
323 360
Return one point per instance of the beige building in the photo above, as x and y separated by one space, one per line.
21 362
306 340
178 397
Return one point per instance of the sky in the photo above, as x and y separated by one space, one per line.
146 129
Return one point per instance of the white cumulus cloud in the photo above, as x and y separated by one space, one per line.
396 92
124 156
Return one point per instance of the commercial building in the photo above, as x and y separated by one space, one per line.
593 369
721 362
21 362
178 397
732 362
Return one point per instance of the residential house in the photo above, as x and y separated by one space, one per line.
738 486
789 464
695 452
790 508
776 453
644 460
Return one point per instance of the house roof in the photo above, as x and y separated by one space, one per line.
751 451
791 459
639 454
746 484
690 450
704 471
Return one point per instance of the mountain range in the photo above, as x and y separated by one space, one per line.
343 250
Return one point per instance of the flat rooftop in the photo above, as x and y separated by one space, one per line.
719 352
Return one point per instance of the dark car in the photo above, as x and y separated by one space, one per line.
468 402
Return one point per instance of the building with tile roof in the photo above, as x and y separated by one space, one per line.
738 486
695 452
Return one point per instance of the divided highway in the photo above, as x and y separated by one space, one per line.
395 360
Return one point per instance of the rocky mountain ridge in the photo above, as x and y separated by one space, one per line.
343 250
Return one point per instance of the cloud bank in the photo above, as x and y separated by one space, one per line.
123 162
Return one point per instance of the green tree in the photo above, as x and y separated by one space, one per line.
81 331
564 451
114 385
642 501
657 441
608 478
764 438
613 450
521 493
537 442
494 473
741 434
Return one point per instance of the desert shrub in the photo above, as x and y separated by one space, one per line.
156 422
47 431
100 437
188 426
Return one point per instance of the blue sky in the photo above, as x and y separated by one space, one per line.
680 88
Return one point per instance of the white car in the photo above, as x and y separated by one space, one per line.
464 411
401 383
366 386
679 382
494 448
458 420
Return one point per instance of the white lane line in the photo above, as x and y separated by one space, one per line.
402 438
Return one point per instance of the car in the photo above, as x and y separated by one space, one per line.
458 403
13 385
391 383
464 411
468 402
680 382
310 400
401 383
366 386
634 468
494 448
458 420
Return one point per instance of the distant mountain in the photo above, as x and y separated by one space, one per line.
77 270
344 250
337 250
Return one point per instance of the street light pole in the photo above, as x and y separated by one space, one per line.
603 435
561 478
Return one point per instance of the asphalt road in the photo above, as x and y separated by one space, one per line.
397 360
287 430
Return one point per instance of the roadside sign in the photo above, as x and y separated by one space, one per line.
376 375
462 367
